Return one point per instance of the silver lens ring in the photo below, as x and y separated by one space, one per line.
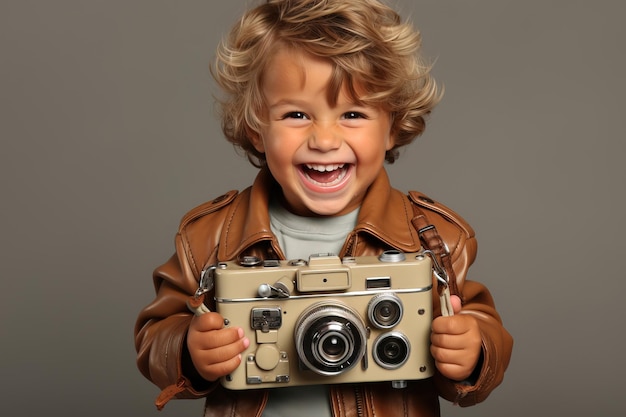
391 350
330 338
385 310
332 344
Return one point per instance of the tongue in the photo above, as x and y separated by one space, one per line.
324 177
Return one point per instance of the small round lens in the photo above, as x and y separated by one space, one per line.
385 311
391 350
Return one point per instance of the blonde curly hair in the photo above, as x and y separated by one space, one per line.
366 43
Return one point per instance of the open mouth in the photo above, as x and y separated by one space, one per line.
325 175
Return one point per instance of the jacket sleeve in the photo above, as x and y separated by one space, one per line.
161 327
161 332
497 343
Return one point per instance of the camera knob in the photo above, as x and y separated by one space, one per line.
265 290
267 356
279 290
249 261
392 256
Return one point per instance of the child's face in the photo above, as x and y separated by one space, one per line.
324 157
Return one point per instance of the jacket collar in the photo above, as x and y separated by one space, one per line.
385 215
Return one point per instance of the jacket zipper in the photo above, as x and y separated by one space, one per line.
358 397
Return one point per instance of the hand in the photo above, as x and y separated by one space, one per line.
456 343
215 351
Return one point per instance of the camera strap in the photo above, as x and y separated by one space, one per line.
442 261
195 303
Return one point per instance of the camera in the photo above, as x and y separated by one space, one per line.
329 320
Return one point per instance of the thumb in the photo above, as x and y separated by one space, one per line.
455 300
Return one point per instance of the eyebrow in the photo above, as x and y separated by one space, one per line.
286 102
303 103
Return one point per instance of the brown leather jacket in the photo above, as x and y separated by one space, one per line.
238 223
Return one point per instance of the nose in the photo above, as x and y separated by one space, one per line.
324 138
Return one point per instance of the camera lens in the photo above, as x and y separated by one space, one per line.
385 311
330 338
332 344
391 350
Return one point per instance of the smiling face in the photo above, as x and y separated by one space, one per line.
323 155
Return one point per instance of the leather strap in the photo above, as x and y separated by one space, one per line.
432 241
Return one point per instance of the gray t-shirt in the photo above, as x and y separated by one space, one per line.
299 237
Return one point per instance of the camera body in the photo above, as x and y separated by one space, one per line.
328 320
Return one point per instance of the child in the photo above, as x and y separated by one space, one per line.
319 93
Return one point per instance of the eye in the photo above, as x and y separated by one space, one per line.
295 115
354 115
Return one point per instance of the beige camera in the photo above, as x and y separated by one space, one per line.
328 320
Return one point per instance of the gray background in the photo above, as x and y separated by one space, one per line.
109 136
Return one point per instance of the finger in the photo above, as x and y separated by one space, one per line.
445 355
454 364
455 300
224 352
448 341
458 324
207 322
454 371
215 363
214 371
455 325
216 338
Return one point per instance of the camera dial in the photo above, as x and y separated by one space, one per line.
392 255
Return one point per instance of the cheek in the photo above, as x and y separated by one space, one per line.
269 141
276 151
385 143
281 146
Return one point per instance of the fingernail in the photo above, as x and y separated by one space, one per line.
246 342
240 332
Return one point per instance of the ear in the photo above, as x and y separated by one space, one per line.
391 141
256 140
393 132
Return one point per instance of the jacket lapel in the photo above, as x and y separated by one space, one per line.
248 221
248 224
386 215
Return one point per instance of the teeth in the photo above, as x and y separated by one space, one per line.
323 168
